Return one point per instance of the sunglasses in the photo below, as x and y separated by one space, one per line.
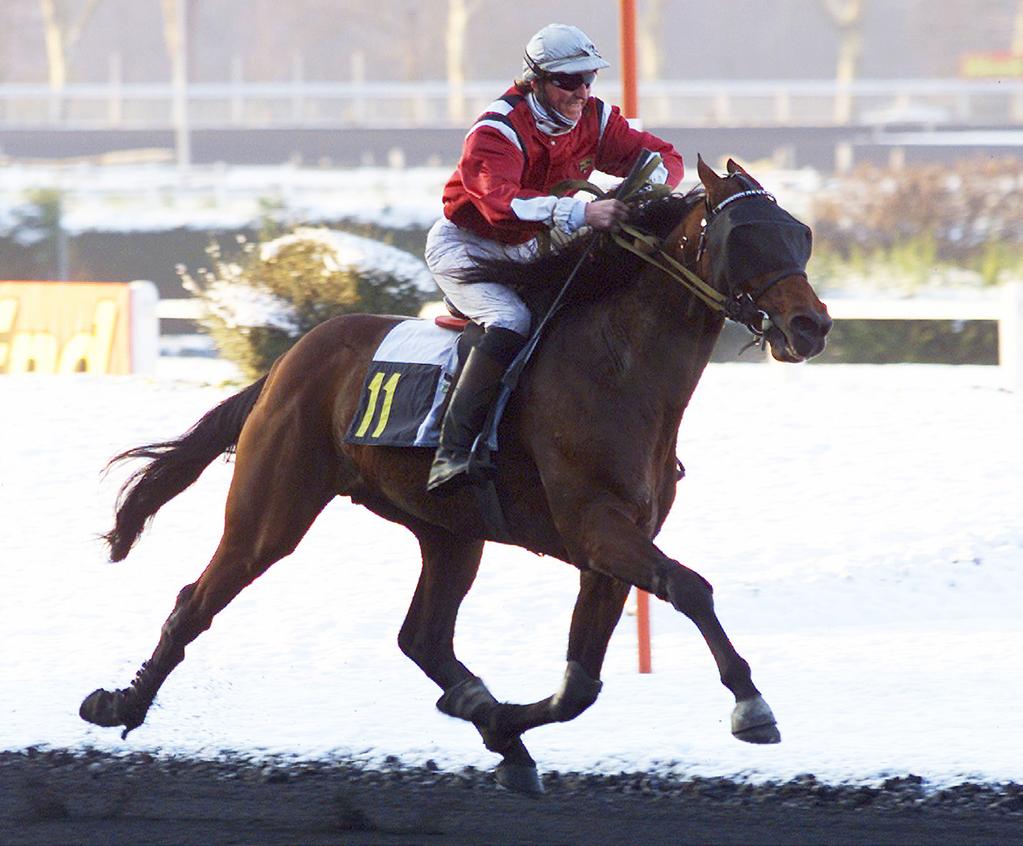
571 81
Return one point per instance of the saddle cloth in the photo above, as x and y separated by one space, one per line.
402 399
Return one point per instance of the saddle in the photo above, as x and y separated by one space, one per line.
404 394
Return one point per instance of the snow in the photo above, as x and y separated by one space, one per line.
861 526
239 304
158 197
344 250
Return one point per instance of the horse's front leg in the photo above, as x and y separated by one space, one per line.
606 537
450 564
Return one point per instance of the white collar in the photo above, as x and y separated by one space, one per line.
550 121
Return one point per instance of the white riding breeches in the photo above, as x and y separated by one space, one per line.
451 250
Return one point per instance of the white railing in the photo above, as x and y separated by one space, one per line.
1007 310
184 309
914 309
308 104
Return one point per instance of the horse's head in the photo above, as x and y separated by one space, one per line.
755 253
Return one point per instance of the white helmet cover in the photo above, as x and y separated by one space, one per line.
560 48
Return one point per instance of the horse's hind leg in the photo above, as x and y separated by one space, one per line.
427 637
598 609
280 485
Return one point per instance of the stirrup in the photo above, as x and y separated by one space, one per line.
465 466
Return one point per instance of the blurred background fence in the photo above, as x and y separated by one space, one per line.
307 104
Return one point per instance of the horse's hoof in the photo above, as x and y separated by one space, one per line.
113 708
519 778
467 700
102 708
753 722
759 734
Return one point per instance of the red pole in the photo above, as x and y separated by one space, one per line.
630 108
643 630
630 99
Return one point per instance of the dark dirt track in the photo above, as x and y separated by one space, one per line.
56 797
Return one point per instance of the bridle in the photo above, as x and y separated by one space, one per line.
739 306
745 303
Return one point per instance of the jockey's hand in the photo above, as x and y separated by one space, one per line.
606 214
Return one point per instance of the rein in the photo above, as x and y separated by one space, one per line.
741 308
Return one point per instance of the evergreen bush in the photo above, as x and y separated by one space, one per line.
39 241
260 302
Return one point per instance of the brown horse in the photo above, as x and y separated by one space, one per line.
586 472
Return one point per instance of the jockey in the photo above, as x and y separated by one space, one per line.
544 129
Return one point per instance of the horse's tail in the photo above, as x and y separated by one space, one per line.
174 465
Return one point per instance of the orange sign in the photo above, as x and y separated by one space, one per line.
991 65
65 327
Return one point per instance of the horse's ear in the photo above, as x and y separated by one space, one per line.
734 167
707 175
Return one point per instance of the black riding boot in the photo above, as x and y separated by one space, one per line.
474 393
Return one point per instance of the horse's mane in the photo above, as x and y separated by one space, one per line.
605 269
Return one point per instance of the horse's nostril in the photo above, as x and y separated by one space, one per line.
807 331
810 325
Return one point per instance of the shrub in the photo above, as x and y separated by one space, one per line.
917 341
33 229
949 223
262 301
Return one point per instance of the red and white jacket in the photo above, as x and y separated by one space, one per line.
501 187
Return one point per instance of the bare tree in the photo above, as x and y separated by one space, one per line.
651 52
459 14
62 31
651 55
1017 30
848 17
1016 47
175 33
